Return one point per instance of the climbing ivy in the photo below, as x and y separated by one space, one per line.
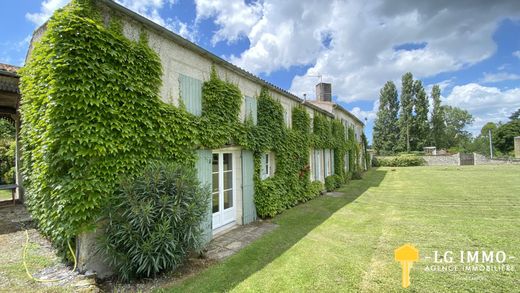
219 124
92 114
290 183
88 124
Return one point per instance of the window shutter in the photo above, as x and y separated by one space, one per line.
262 168
203 167
251 108
191 94
332 161
248 188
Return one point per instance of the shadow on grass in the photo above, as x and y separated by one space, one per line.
294 224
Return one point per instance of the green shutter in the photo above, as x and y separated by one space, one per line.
263 171
191 94
332 161
251 108
316 166
203 167
248 188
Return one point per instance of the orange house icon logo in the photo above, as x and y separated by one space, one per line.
406 255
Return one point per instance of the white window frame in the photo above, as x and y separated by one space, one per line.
266 165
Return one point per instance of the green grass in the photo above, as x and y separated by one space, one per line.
347 243
6 195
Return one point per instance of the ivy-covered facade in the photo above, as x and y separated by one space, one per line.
105 90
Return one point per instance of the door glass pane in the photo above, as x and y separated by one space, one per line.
215 182
228 199
215 163
227 162
228 180
215 202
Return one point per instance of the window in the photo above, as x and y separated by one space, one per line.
190 91
266 165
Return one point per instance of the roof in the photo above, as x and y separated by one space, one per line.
9 91
336 106
8 70
205 53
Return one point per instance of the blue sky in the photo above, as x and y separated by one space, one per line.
470 48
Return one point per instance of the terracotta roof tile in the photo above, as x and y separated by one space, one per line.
9 68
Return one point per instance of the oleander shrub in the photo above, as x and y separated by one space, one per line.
153 220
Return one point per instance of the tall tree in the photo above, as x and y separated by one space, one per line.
386 129
421 126
437 120
515 115
405 117
505 136
456 121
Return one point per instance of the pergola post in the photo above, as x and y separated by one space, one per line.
18 174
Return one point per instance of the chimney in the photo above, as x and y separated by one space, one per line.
324 92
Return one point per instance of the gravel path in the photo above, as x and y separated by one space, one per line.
41 259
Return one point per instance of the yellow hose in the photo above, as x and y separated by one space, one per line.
25 264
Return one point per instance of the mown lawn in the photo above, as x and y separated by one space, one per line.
347 243
6 195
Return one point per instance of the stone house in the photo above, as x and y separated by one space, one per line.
228 170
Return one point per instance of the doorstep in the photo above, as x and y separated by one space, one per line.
232 240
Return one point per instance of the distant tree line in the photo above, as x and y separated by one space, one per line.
502 136
402 123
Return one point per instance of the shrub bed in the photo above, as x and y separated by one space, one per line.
405 160
154 220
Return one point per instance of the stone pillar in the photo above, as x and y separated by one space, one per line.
88 256
517 147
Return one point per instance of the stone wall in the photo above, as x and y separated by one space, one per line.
443 160
483 160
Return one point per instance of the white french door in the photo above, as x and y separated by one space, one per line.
223 191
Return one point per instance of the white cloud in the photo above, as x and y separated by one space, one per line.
234 17
46 10
363 34
151 10
147 8
517 54
498 77
486 104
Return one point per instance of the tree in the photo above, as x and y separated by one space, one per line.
437 120
505 135
6 129
421 127
515 115
456 120
481 142
405 117
386 128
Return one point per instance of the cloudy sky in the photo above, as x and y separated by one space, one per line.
470 48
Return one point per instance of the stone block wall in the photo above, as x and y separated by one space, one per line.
443 160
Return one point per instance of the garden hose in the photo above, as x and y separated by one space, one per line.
25 264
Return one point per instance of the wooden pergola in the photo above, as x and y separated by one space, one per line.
9 104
